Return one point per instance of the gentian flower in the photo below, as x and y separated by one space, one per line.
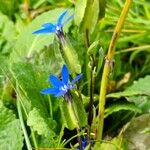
62 87
54 27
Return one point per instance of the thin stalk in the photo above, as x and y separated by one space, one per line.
91 84
29 147
24 109
107 68
50 107
92 81
144 47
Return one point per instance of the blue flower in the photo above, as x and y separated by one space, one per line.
54 27
61 87
84 144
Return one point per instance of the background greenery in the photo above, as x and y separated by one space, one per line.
27 60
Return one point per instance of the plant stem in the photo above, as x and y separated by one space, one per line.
107 68
29 147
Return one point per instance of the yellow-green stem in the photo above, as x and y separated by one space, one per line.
107 68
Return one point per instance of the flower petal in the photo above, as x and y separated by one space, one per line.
46 28
65 74
60 94
55 81
49 25
60 19
76 79
69 18
50 91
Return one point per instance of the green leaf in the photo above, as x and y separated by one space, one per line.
102 6
30 80
117 143
43 126
10 130
142 102
134 133
8 34
92 47
79 11
140 87
27 77
91 15
121 106
29 44
8 7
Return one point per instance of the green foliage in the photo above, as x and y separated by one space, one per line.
79 11
117 143
121 106
27 60
140 87
43 126
88 12
8 7
7 34
11 136
28 44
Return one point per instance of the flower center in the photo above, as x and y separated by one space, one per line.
58 29
64 88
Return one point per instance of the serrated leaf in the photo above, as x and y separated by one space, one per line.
29 44
27 77
10 130
79 11
44 126
121 106
140 87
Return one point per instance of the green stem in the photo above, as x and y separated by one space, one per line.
50 107
29 147
24 109
107 68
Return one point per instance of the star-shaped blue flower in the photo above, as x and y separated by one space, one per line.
54 27
61 87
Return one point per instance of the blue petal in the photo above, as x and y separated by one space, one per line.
46 28
65 74
43 30
49 25
55 81
60 19
69 18
60 94
50 91
76 78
